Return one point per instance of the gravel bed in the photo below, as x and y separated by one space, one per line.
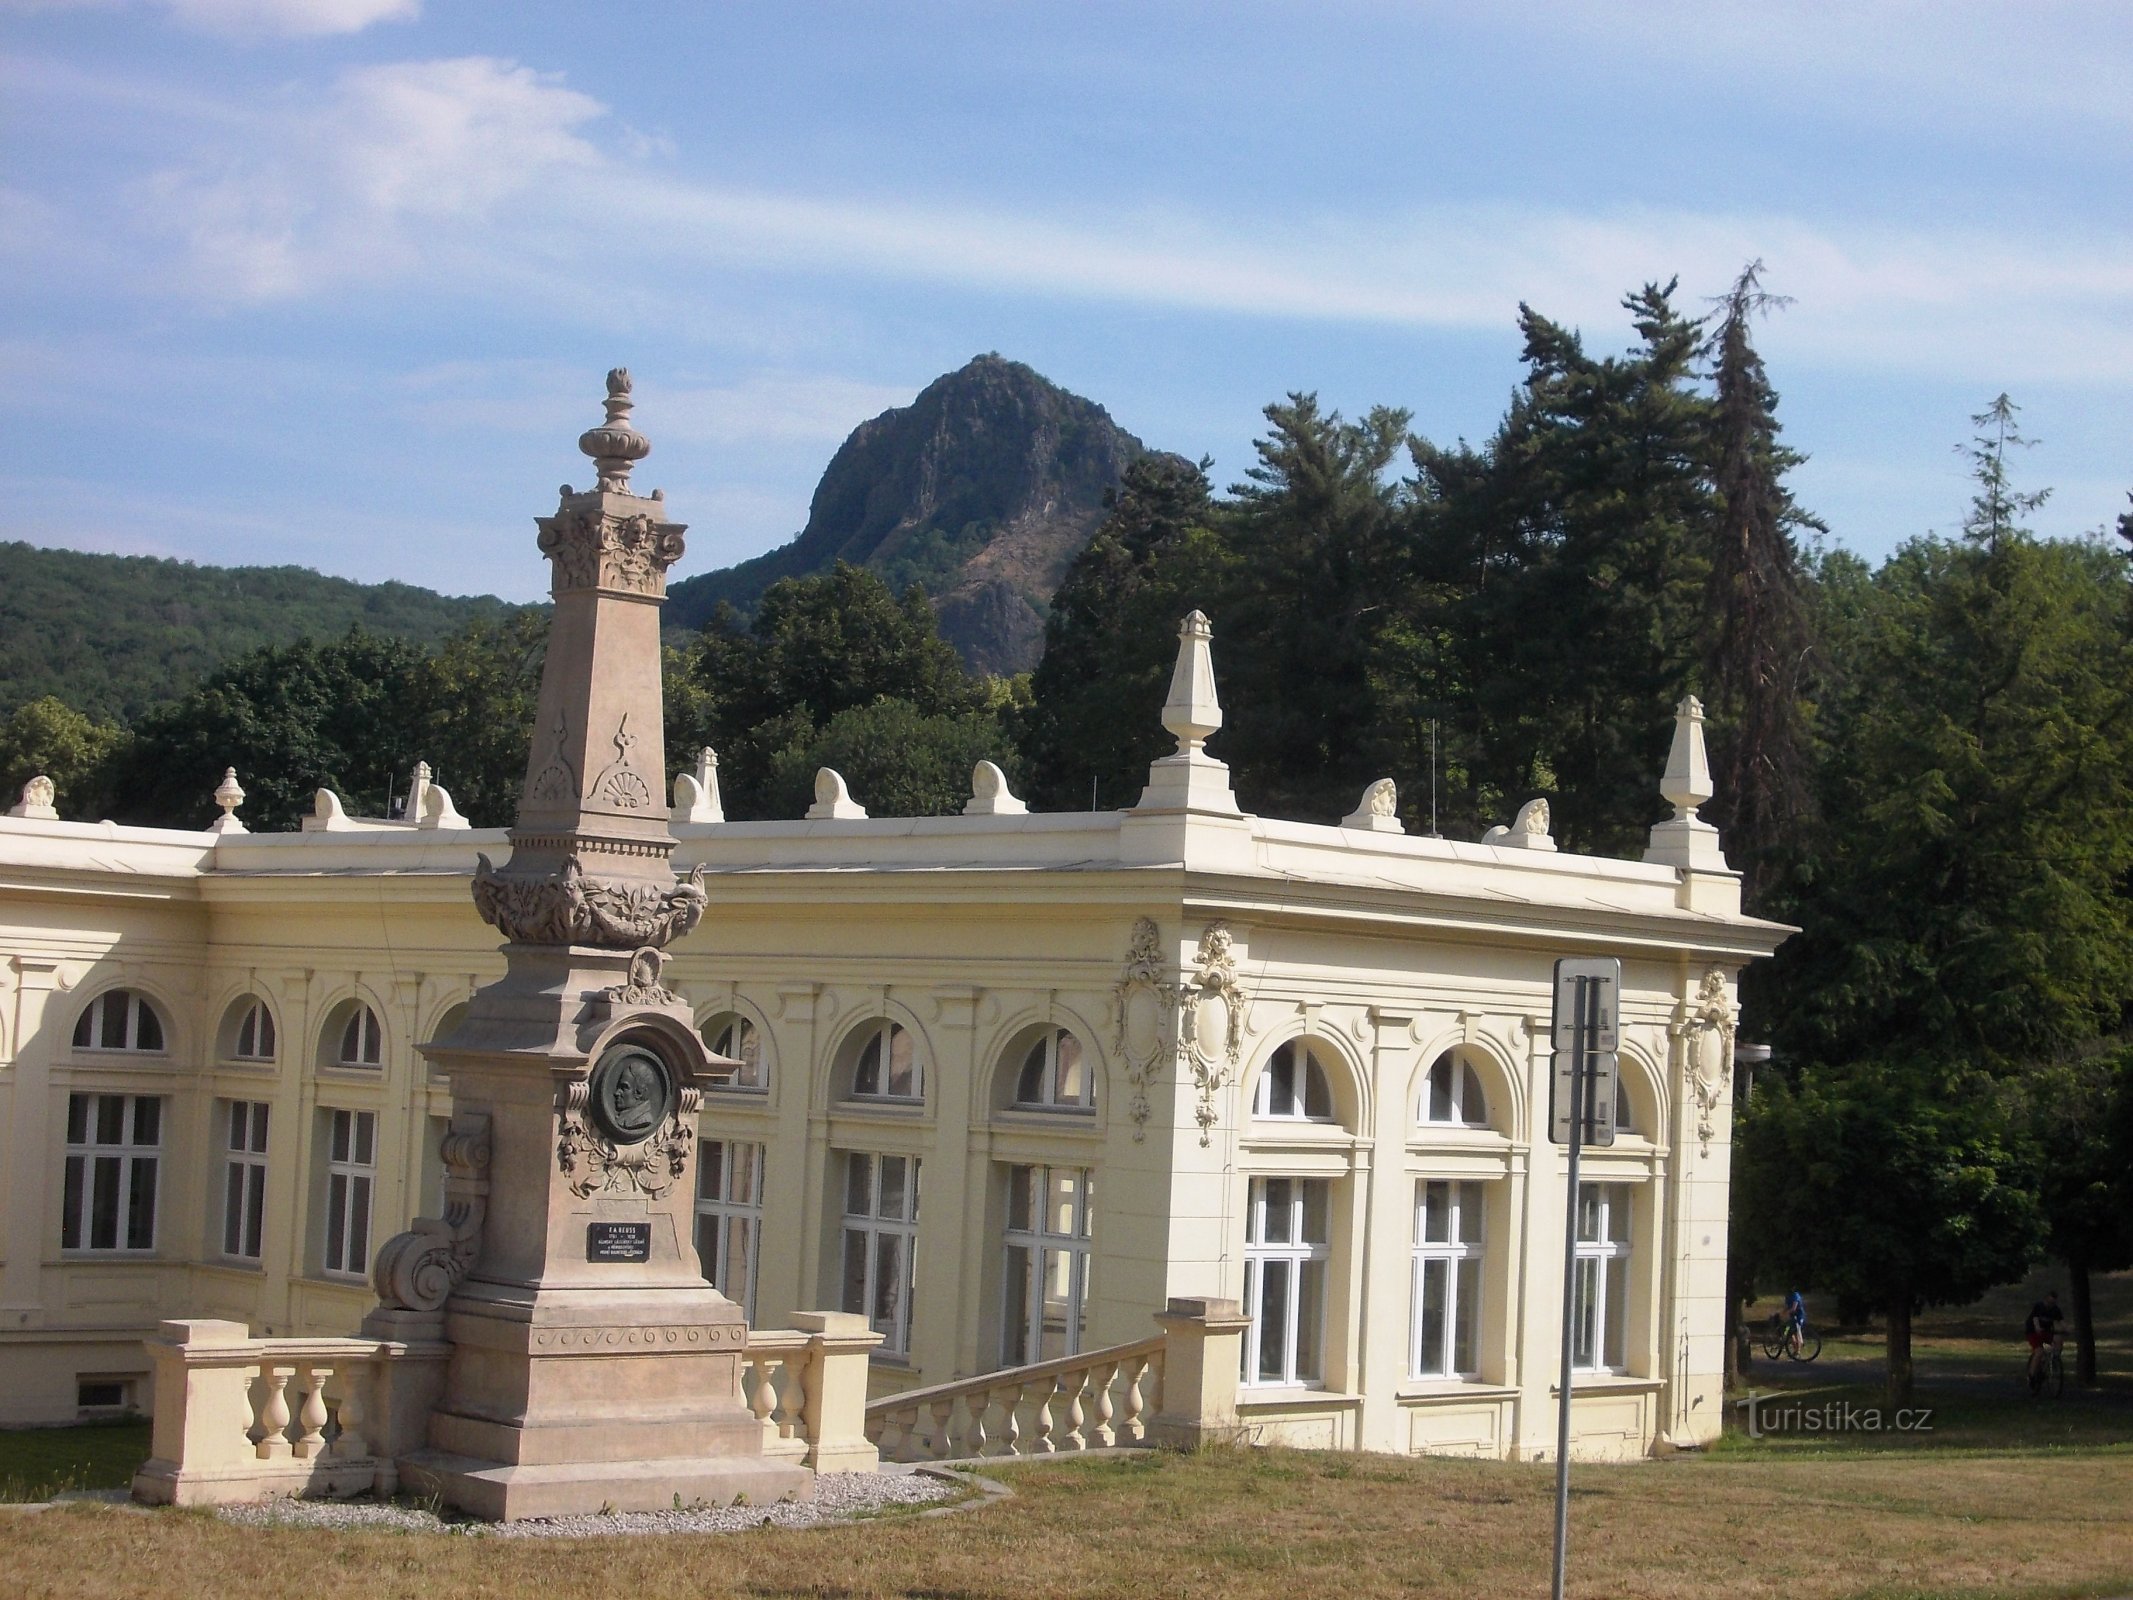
839 1497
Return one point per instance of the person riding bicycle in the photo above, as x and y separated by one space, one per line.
1796 1319
2041 1328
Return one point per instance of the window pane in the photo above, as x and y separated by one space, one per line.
1279 1219
78 1118
1475 1106
707 1246
1073 1072
1273 1321
149 1033
1311 1322
104 1206
903 1063
855 1272
1088 1204
148 1119
888 1285
1064 1189
1436 1213
1318 1095
255 1214
1584 1329
1021 1182
1281 1071
1014 1309
740 1260
1440 1091
893 1194
1618 1214
338 1142
745 1183
336 1221
866 1075
1062 1317
1617 1310
233 1211
110 1118
1466 1319
240 1135
1029 1084
1317 1194
366 1135
747 1048
710 1168
141 1205
84 1026
113 1036
1589 1208
858 1186
71 1202
266 1031
1434 1289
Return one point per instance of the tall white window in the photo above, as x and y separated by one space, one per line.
119 1019
888 1067
1453 1094
351 1172
1447 1287
729 1217
108 1191
1599 1316
1294 1085
1047 1266
738 1039
880 1238
362 1039
244 1179
1055 1076
254 1038
1286 1237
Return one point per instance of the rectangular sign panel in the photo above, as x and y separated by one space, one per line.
1602 1084
618 1241
1600 980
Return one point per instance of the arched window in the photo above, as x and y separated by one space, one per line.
1454 1095
735 1037
888 1066
252 1036
362 1039
1294 1085
119 1019
1055 1075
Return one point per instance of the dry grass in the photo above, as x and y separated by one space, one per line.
1246 1524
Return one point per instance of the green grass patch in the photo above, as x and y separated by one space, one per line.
37 1463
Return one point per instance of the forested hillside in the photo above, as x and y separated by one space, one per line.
114 635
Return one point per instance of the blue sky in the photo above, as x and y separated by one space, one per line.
334 282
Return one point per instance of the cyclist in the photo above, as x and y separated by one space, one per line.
1795 1321
2041 1328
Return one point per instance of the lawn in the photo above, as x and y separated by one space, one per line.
37 1463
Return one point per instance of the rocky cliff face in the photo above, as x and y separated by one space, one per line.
981 491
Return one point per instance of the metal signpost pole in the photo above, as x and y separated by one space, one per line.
1580 1060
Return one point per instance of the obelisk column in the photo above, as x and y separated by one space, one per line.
591 1364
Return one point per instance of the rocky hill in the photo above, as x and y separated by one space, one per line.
981 491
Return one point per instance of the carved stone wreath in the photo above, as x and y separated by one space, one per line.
1212 1004
591 550
567 907
1140 1002
1709 1022
596 1165
418 1270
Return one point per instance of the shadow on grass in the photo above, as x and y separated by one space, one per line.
37 1463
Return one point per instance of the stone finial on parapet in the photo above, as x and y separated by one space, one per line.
37 797
615 446
833 799
1528 830
1379 809
229 794
437 809
1191 780
990 795
1685 839
696 797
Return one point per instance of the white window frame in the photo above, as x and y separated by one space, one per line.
258 1023
731 1214
1464 1085
736 1035
1454 1262
884 1225
1027 1259
95 1023
134 1164
1296 1069
878 1039
1288 1260
244 1179
1051 1045
368 1030
1601 1278
351 1190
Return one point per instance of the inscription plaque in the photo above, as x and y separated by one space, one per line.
618 1241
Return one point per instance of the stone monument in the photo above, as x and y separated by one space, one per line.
590 1364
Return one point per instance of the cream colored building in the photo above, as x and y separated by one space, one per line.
1014 1081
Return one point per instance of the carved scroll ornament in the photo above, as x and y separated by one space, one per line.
1140 1003
418 1270
1212 1004
567 907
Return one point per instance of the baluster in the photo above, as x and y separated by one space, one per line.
792 1398
1100 1381
311 1415
939 1446
1010 1433
1155 1384
977 1405
274 1413
1071 1387
1040 1418
891 1435
353 1413
763 1397
1130 1430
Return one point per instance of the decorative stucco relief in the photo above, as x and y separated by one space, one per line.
620 784
1706 1025
1212 1007
567 907
1140 1005
557 780
591 550
417 1270
595 1164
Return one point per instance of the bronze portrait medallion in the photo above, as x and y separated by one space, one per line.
632 1093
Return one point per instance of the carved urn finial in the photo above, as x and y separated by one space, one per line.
1687 781
229 794
615 446
1193 714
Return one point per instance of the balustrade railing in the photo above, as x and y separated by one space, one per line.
1093 1401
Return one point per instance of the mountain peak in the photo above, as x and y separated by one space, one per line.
981 491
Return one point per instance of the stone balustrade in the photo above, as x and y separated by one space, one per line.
241 1419
1093 1401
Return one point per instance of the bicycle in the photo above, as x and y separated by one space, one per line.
2047 1369
1785 1340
